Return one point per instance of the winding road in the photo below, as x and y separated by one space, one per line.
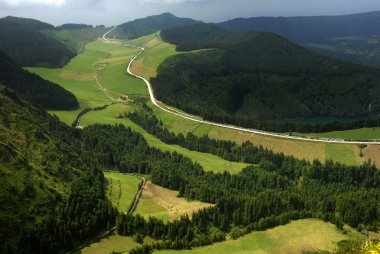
228 126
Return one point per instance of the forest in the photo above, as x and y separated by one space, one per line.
272 191
38 50
250 78
33 88
345 37
152 24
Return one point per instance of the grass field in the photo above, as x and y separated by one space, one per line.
344 153
107 62
156 52
349 154
296 237
363 133
169 200
121 189
148 208
112 243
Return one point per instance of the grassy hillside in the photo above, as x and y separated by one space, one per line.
33 88
260 76
151 24
347 37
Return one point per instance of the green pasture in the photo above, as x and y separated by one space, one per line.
148 208
121 189
296 237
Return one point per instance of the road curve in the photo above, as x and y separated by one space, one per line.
228 126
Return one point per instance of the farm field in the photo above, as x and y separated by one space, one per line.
121 189
296 237
169 199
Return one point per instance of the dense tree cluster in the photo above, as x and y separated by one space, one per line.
26 43
271 192
245 77
33 88
152 24
346 37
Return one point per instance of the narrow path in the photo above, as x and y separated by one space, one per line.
228 126
137 197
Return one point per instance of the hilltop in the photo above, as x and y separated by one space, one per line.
260 76
151 24
347 37
34 43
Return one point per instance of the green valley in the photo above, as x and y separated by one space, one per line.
99 154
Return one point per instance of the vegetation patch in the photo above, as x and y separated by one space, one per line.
296 237
121 189
113 243
372 152
169 199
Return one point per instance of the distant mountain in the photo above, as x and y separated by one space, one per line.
23 40
34 89
151 24
260 76
34 43
348 37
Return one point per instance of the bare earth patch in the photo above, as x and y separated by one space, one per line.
168 199
372 152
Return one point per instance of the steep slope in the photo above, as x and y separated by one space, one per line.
151 24
34 89
24 41
51 199
348 37
249 76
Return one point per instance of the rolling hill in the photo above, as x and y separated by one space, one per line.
23 40
33 88
348 37
151 24
32 43
260 76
